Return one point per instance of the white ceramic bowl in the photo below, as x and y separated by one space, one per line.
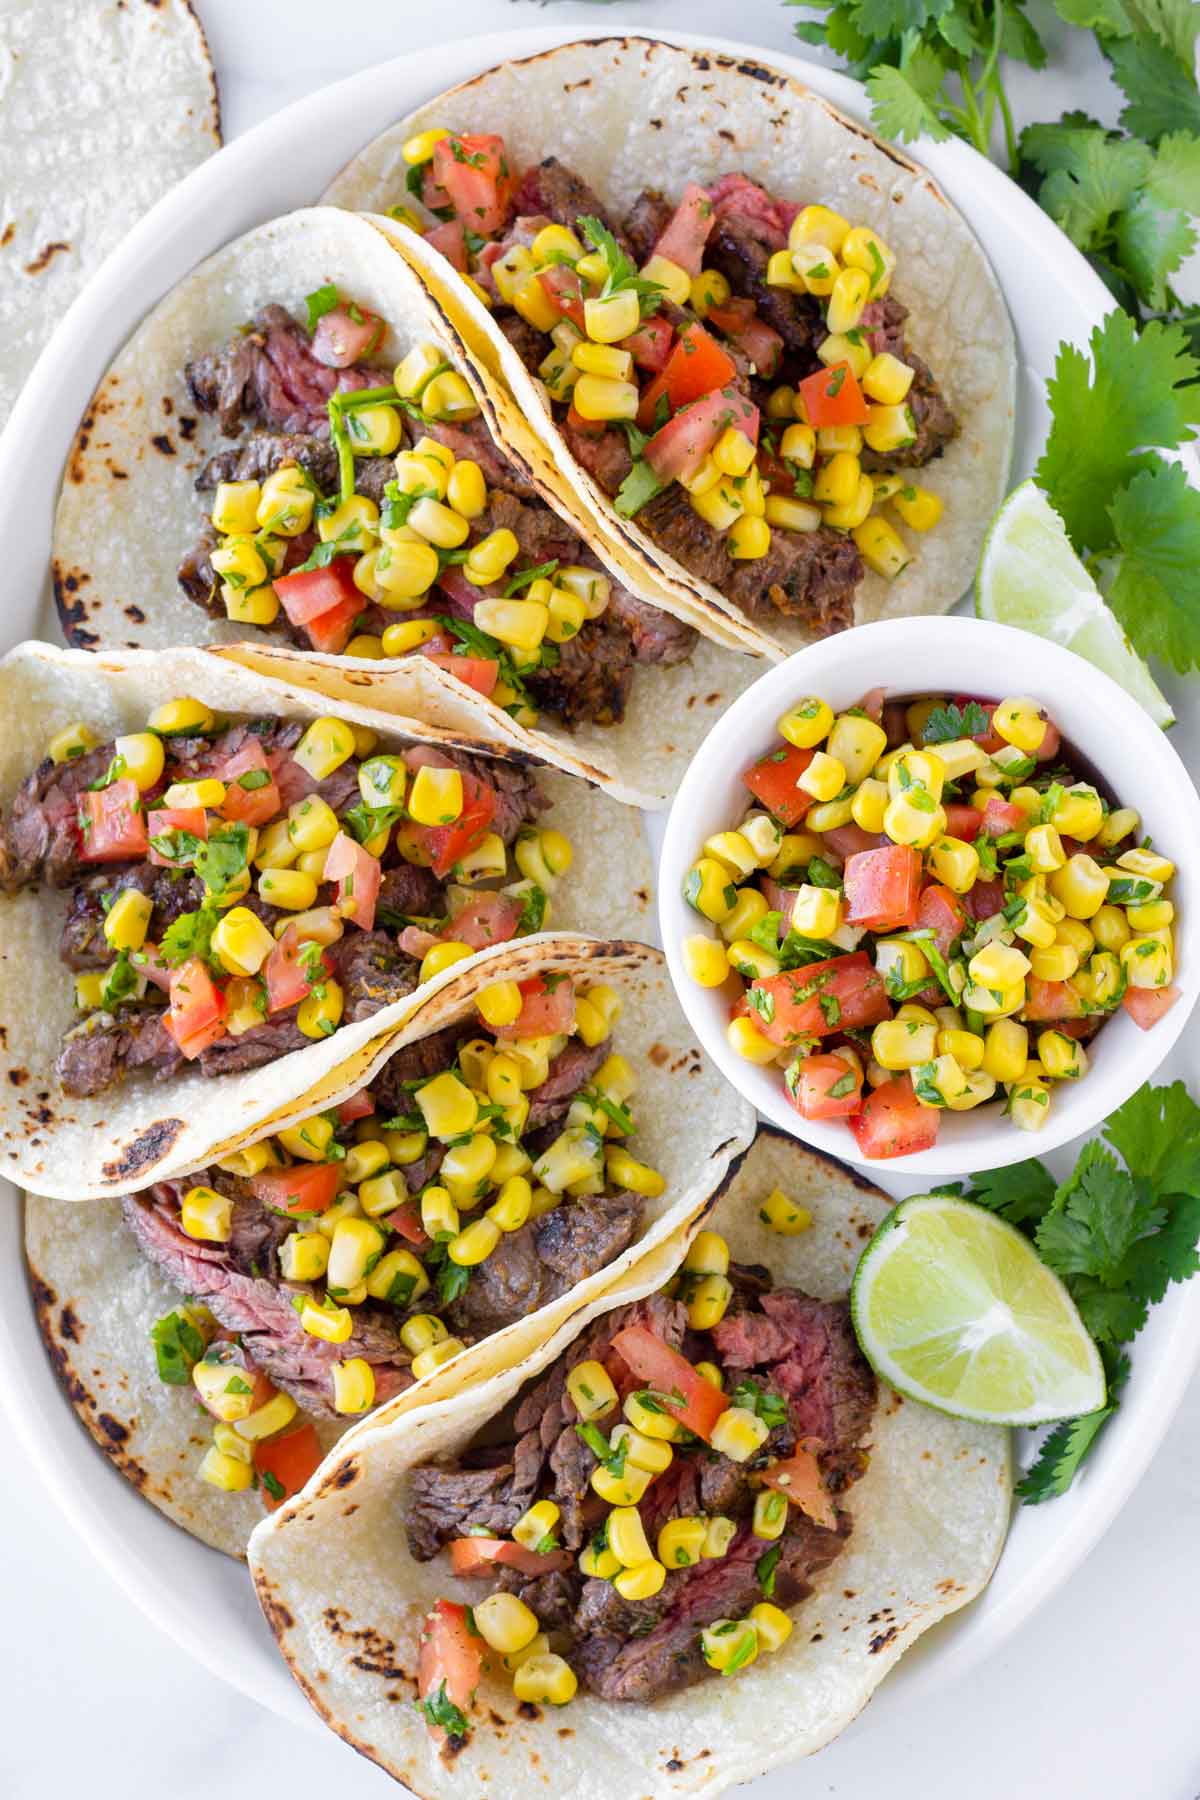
950 655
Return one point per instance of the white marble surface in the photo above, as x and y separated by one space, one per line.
1094 1700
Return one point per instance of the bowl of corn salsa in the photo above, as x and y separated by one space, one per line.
926 897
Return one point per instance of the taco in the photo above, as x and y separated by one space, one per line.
525 1141
234 888
250 462
681 1544
762 346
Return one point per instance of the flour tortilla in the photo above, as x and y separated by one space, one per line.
141 1131
128 511
631 112
96 1296
346 1600
104 105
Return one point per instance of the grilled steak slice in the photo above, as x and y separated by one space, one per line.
471 439
258 1308
528 342
935 422
82 944
741 248
265 451
571 1069
550 187
658 637
592 677
449 1503
426 1057
552 1596
101 1049
372 971
277 1036
409 892
267 375
542 535
545 1258
40 839
646 221
605 457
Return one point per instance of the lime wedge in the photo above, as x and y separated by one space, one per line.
1030 577
954 1307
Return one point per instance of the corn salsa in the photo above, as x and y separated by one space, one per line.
927 907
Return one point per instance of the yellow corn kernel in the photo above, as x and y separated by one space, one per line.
869 804
782 272
591 1390
232 1474
332 1324
404 572
128 920
816 912
640 1582
536 1524
902 1044
791 515
863 248
1111 926
955 863
178 718
142 757
553 243
901 959
89 989
824 777
748 1043
705 960
857 743
998 965
439 1215
511 270
442 957
1062 1058
191 794
499 1003
719 1534
807 724
836 481
1119 824
1036 924
781 403
424 1331
448 1106
1057 962
708 1254
521 623
1005 1050
1148 864
965 1047
729 1644
436 797
227 1441
881 548
748 908
420 148
738 1433
751 961
312 825
1043 846
889 428
207 1215
436 1357
439 524
847 297
609 319
398 640
851 516
773 1627
832 438
288 888
887 380
354 1245
353 1386
242 942
1080 884
545 1681
1019 722
799 445
1029 1105
920 768
709 1301
285 506
913 818
646 1416
597 1010
1080 813
448 397
398 1277
235 506
543 856
780 1213
675 282
505 1622
749 539
1147 960
252 606
320 1014
624 1490
651 1454
600 397
627 1172
76 740
514 1202
474 1243
770 1514
818 225
355 523
681 1542
466 1165
627 1537
708 289
709 891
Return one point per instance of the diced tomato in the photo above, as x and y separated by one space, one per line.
1051 1000
286 1462
882 887
774 779
852 840
687 233
895 724
486 919
407 1221
451 1657
798 1479
837 995
819 1075
345 335
1049 747
478 672
308 593
433 195
962 821
331 631
985 899
358 875
757 340
234 1359
894 1123
668 1374
872 703
151 964
833 397
585 427
287 978
358 1106
564 291
650 344
941 911
1146 1006
547 1007
257 802
448 843
676 451
197 1010
476 173
696 366
112 823
1001 816
306 1188
174 818
451 240
480 1555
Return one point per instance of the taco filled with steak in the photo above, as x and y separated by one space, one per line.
695 1512
527 1139
763 347
224 887
294 453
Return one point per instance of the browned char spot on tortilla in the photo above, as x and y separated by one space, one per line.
45 256
58 1335
163 444
69 1324
148 1148
135 615
882 1640
18 1077
344 1476
274 1611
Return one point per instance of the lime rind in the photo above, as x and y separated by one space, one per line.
1030 577
954 1308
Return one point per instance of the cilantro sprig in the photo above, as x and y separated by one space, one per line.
1122 1227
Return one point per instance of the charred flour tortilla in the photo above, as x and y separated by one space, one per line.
103 1274
142 1131
927 1521
133 100
129 514
625 115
